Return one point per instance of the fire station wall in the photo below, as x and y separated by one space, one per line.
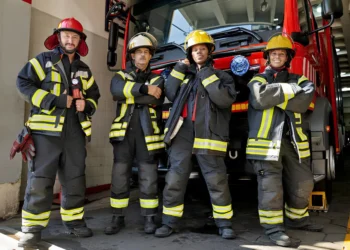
99 151
14 40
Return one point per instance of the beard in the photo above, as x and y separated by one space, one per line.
68 51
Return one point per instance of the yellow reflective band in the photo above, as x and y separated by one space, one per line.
301 79
155 146
259 79
271 221
45 118
200 143
130 100
262 151
266 123
304 154
302 136
166 130
119 203
33 223
121 73
223 209
270 213
72 214
47 127
127 89
152 113
154 79
299 211
56 89
156 130
288 93
149 203
263 143
49 112
227 215
177 74
93 102
38 97
295 216
297 118
185 81
117 133
38 69
209 80
55 76
154 138
85 124
84 82
41 216
116 126
87 131
122 112
174 211
90 82
283 105
303 145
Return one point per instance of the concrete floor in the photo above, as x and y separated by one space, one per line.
197 230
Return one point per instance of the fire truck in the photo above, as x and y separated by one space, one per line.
241 30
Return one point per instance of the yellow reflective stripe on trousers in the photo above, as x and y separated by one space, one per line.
302 136
72 214
30 220
117 133
38 97
302 78
174 211
119 203
155 146
177 74
122 112
222 212
209 80
127 89
93 102
149 203
38 69
295 213
259 79
200 143
265 123
271 217
154 79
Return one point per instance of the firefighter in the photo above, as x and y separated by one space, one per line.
136 132
278 145
198 124
59 125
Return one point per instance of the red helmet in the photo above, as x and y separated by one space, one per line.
69 24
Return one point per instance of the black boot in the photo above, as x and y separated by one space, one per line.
312 227
81 232
227 233
150 226
30 240
117 223
164 231
280 239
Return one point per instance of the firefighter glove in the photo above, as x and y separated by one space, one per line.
24 144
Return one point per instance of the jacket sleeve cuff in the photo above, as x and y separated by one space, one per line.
61 101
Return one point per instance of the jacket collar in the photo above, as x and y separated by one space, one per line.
58 53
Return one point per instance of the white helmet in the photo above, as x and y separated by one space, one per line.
142 40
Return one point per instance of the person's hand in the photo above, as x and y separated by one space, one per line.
80 103
154 91
186 61
69 99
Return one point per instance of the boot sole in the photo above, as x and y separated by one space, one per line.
150 231
114 232
164 235
282 243
229 237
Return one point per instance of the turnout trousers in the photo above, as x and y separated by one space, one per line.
65 155
284 188
133 147
213 169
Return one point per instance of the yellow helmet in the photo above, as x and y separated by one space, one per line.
199 37
142 40
279 42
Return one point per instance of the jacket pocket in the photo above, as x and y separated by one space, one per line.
219 121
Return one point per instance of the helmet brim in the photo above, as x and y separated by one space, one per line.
52 42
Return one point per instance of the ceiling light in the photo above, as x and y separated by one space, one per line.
337 49
345 75
319 9
345 89
275 19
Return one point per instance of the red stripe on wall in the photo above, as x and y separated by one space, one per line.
27 1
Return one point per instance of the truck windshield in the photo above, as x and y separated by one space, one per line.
171 21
